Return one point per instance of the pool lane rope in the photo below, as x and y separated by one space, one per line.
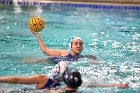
23 3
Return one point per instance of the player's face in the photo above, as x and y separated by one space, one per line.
77 46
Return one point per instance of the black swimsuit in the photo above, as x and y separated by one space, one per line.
51 84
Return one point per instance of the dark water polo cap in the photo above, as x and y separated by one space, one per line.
72 78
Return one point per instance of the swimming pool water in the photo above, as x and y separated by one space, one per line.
112 35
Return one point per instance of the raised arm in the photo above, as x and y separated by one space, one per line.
45 49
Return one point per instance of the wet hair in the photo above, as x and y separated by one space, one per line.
72 78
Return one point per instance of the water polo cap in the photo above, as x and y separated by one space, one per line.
72 78
58 70
72 39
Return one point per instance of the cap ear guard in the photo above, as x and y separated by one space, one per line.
70 44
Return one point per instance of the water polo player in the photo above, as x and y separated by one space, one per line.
72 79
76 47
41 81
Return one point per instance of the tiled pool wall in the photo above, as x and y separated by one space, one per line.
69 4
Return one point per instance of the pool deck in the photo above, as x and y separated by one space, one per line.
98 2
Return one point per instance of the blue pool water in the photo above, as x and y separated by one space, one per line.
112 35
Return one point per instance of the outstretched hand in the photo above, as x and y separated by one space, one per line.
122 85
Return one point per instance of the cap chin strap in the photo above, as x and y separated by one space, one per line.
70 44
70 91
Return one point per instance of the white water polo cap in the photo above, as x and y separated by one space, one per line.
73 39
58 70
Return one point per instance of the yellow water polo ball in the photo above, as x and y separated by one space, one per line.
36 24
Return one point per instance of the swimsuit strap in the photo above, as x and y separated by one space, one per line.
72 56
54 85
